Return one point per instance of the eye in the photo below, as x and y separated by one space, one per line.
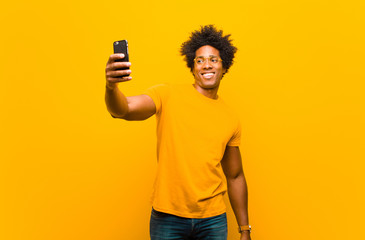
199 60
214 60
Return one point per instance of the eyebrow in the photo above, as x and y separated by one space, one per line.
208 56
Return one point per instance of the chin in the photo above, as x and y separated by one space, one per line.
208 87
207 83
213 84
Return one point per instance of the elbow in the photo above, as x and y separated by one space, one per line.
117 114
234 177
121 116
113 116
238 176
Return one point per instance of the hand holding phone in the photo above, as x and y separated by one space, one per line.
117 69
122 47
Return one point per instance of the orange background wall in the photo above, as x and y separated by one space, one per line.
70 171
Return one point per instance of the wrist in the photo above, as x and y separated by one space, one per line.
244 229
111 86
245 233
245 236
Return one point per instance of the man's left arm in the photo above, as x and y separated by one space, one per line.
237 186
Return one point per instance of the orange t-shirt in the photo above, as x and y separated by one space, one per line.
192 134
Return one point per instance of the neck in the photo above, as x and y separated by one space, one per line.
208 92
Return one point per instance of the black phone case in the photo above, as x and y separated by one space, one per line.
122 47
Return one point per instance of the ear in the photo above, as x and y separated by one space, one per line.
224 73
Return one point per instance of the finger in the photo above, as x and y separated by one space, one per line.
115 56
116 65
122 79
118 73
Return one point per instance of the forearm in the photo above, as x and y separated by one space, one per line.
116 102
237 187
237 192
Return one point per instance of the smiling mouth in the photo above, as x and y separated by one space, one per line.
208 75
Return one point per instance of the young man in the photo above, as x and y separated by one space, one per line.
198 138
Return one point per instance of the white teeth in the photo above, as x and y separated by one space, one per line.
208 75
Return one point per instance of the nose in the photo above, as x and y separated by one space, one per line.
206 64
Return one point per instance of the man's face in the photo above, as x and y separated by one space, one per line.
208 72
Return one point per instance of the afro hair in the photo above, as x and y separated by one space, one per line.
208 35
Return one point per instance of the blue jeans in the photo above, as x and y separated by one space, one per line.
164 226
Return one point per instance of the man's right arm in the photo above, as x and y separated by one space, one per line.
138 107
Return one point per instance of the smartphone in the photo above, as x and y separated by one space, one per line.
122 47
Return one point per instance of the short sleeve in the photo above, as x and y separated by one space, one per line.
236 137
158 93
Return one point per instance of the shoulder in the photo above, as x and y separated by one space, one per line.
159 90
159 87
